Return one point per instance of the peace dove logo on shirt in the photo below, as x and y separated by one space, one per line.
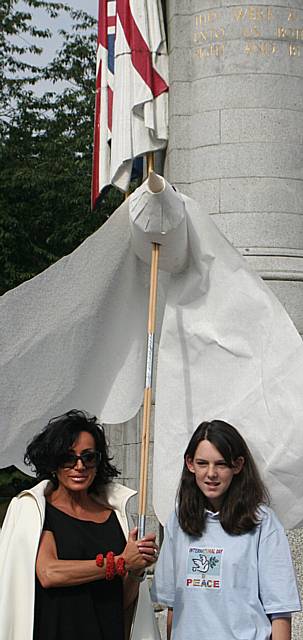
202 564
204 567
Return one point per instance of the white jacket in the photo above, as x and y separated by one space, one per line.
19 542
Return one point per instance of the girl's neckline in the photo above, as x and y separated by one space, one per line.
49 504
212 514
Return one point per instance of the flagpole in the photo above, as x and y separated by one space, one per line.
147 401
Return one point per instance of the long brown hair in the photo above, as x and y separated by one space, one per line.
245 494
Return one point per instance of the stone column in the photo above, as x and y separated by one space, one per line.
236 128
236 136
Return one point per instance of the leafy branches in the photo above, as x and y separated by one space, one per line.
45 140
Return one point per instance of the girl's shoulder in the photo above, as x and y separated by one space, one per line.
172 524
268 520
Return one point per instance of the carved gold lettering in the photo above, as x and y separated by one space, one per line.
294 50
253 14
212 50
281 32
205 18
251 32
291 15
200 36
263 48
289 34
209 36
219 33
238 14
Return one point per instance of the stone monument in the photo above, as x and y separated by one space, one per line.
236 115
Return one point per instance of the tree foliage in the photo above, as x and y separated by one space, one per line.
46 140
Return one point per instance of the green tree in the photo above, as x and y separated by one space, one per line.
46 142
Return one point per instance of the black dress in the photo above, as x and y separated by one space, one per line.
91 611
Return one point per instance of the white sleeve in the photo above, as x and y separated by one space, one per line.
18 549
163 586
277 580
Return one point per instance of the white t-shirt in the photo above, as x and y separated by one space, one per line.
225 586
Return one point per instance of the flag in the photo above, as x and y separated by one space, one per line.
131 89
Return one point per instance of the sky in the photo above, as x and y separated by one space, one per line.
90 6
50 45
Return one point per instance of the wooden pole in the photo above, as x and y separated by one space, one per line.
150 163
147 402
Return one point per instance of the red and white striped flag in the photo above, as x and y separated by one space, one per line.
131 89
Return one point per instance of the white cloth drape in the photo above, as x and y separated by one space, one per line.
75 337
228 350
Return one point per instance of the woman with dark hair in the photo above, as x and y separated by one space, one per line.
224 569
69 567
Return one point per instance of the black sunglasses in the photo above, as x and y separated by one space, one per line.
89 460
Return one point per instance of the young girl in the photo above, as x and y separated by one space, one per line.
225 569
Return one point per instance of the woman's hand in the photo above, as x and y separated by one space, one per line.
139 554
148 548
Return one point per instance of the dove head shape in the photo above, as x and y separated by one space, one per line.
157 216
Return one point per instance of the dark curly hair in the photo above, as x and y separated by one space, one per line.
246 493
47 449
